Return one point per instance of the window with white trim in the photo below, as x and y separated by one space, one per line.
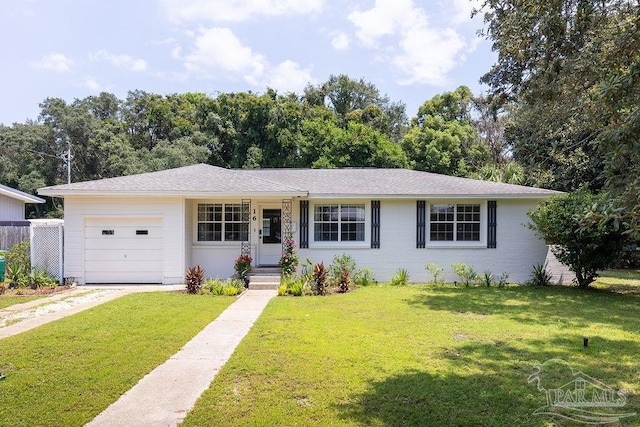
212 222
459 223
209 222
333 223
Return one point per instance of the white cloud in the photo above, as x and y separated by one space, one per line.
218 49
428 55
386 17
289 77
91 84
218 53
462 10
340 41
120 61
54 61
401 33
236 10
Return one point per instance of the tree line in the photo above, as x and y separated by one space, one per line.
342 122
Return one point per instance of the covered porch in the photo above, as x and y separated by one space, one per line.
219 230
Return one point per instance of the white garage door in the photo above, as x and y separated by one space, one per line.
123 250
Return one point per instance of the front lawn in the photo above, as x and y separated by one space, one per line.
9 300
68 371
422 355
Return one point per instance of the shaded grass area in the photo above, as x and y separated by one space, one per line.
68 371
628 274
421 355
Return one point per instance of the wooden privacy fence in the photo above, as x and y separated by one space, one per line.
13 232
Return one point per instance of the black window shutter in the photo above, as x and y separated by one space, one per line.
492 223
375 224
421 231
304 224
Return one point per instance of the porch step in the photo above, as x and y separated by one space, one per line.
264 280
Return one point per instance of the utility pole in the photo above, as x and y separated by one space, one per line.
66 157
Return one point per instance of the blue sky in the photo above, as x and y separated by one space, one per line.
411 50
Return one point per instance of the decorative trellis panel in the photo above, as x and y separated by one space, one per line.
245 248
47 248
286 221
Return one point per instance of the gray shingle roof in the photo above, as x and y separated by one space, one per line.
188 180
211 180
391 182
20 195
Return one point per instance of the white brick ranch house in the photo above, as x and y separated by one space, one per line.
150 227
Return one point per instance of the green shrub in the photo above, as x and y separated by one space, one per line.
319 283
18 264
282 289
14 273
436 272
194 279
486 279
466 273
540 276
229 287
401 278
584 231
230 290
42 279
291 286
339 264
364 277
503 280
214 286
295 288
306 270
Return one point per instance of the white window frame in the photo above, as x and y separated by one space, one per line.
365 243
482 242
223 223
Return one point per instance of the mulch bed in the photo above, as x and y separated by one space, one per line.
37 292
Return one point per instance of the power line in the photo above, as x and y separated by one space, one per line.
66 156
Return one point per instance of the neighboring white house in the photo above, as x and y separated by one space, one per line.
13 226
12 203
149 228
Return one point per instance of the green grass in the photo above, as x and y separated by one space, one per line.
9 300
628 274
66 372
421 355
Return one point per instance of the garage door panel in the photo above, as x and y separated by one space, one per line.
113 232
116 266
122 277
123 255
123 250
124 244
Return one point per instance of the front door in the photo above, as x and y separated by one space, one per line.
270 235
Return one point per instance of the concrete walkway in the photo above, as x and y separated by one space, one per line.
165 395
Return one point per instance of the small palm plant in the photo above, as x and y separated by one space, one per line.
345 279
194 279
319 279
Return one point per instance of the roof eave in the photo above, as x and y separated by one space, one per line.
189 194
542 196
24 197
